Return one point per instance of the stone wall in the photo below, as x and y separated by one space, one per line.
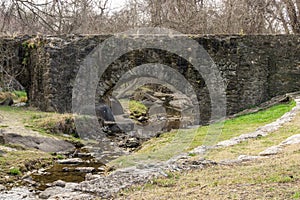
254 68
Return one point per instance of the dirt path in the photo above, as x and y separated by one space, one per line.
13 122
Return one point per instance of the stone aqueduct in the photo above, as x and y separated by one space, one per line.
255 68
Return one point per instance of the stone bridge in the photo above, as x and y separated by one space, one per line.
254 68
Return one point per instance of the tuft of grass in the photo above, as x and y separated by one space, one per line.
56 124
296 195
60 157
20 94
17 96
5 95
137 108
15 171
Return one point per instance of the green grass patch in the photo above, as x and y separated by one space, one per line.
296 195
15 171
173 143
262 179
17 96
137 108
20 94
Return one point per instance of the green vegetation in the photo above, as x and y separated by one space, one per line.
137 108
55 124
28 46
14 171
296 195
20 94
175 142
14 163
60 157
262 179
255 146
17 96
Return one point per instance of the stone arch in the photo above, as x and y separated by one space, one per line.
97 62
133 59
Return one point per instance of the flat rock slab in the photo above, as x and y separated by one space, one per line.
249 158
295 139
45 144
85 169
274 150
70 161
21 193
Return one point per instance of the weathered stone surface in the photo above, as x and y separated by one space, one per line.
2 187
274 150
249 158
42 143
295 139
271 151
59 183
20 193
132 143
85 169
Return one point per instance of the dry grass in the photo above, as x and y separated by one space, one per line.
56 124
6 95
276 178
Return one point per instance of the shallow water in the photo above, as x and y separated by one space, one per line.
66 172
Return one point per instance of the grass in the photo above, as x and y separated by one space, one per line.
176 142
14 163
137 108
55 124
20 94
276 178
17 96
270 178
22 158
49 124
15 171
296 195
5 95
